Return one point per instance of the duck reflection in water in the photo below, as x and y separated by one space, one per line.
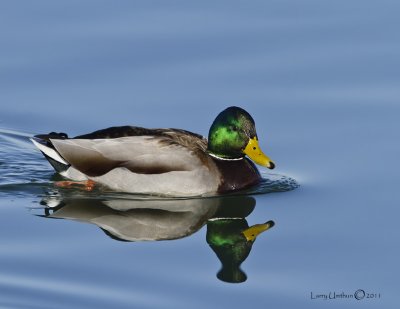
231 238
228 233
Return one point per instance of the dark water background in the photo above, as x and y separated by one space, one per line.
322 82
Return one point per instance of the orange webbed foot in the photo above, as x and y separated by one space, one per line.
87 185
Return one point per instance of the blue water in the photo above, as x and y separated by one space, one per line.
322 83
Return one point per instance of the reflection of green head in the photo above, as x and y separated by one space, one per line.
230 133
232 240
225 238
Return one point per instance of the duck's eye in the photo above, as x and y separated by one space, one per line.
254 148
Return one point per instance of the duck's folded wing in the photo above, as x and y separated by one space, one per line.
139 154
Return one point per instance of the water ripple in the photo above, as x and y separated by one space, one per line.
19 162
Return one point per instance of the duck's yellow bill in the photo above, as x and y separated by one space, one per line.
253 231
254 152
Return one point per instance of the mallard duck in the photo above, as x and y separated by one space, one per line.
170 162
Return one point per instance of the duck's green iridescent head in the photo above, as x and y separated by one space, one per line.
233 135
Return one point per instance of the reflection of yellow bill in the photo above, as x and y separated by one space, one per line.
253 231
254 152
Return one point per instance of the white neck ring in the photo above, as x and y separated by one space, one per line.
225 159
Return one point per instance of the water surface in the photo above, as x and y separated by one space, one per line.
321 81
